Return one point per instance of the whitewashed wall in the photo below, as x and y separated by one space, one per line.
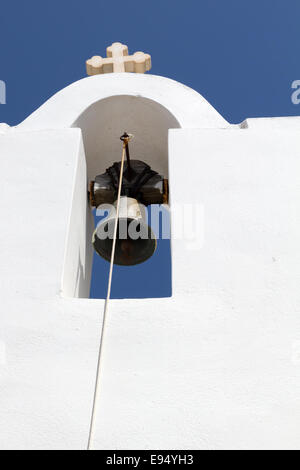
217 365
47 342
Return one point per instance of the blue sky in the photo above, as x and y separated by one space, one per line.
241 56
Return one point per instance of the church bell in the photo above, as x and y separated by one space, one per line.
135 241
141 186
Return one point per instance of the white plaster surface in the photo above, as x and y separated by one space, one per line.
214 367
48 342
64 108
283 122
217 366
4 127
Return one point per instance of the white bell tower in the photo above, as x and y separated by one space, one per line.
216 365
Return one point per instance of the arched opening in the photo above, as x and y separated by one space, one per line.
102 124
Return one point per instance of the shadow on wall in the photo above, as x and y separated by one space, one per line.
104 122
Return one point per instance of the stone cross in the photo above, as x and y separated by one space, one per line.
118 61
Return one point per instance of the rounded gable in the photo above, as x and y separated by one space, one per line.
64 108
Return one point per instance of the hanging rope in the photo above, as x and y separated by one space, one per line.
125 138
